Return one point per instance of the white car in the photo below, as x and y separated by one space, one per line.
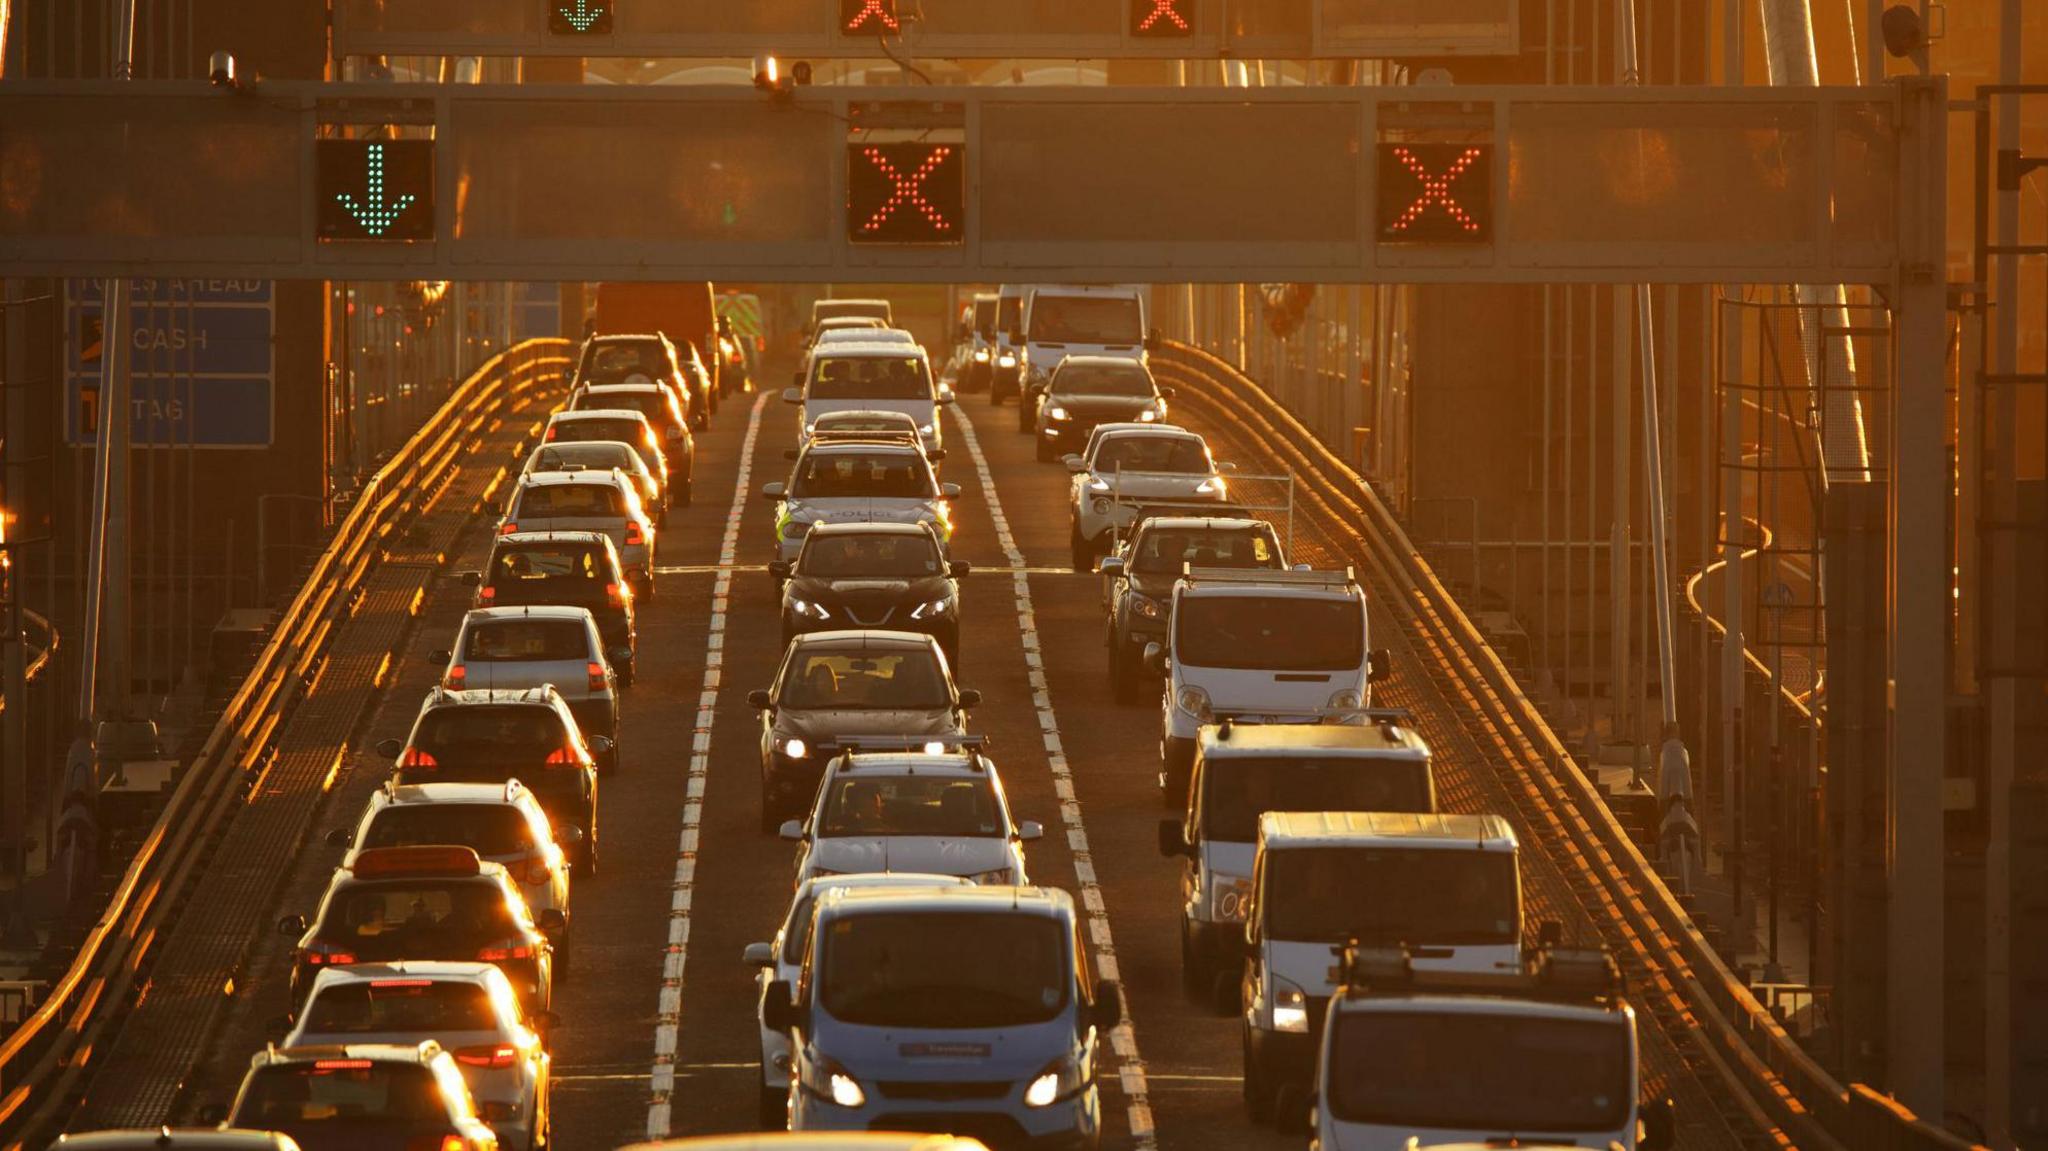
936 808
469 1008
1129 468
626 426
866 424
502 822
588 501
783 959
599 455
1062 320
858 482
871 377
519 647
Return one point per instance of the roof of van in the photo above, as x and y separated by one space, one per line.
984 898
1405 829
1311 739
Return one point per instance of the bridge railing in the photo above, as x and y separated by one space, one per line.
42 1062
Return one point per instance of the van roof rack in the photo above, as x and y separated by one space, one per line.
1557 974
1329 578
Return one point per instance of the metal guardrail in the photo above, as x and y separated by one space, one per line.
1775 1080
43 1061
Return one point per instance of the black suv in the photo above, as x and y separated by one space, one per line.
486 736
564 569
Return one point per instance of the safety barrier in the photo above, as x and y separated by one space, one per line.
43 1061
1772 1078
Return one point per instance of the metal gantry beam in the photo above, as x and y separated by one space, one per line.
1178 185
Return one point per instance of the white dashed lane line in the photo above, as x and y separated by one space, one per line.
662 1080
1095 914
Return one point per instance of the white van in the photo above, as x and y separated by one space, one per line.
1061 320
1448 887
867 377
1259 646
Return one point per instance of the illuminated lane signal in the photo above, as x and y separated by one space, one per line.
375 190
905 193
869 17
1435 194
580 17
1162 19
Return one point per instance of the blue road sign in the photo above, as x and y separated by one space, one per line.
202 362
536 311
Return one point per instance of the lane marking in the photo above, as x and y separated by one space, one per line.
661 1081
1123 1039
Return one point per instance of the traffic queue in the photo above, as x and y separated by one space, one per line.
922 977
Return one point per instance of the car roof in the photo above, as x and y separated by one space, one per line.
600 413
587 447
637 387
865 447
511 793
526 611
1125 431
885 879
848 414
542 696
864 639
556 536
171 1139
423 1052
1385 828
1478 1002
856 528
1105 361
962 765
1036 901
438 970
1200 523
1310 739
872 347
815 1141
604 477
625 337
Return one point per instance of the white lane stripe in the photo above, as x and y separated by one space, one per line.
661 1081
1124 1039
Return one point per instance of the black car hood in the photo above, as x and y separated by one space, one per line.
1101 409
1158 585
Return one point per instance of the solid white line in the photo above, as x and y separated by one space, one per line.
1124 1039
661 1081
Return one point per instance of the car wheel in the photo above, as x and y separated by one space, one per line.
771 820
1196 979
772 1112
1025 416
1258 1097
1082 552
1045 455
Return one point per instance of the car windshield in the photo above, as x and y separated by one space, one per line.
870 378
1177 455
911 805
864 556
900 681
1102 380
862 475
1469 1071
489 828
628 431
1418 896
985 316
595 454
1236 791
418 919
510 735
541 564
944 970
1086 320
341 1092
1270 633
617 361
423 1006
653 405
527 640
1161 550
552 501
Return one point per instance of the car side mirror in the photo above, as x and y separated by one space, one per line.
774 492
470 579
1659 1126
1075 464
1155 659
969 697
1549 934
1301 567
493 507
1166 392
960 569
569 835
791 830
1173 839
1153 340
780 569
758 955
759 700
949 491
1380 666
292 926
340 837
778 1009
1111 566
1109 1004
1228 467
793 395
1030 830
601 745
390 748
439 655
213 1114
936 455
945 393
551 922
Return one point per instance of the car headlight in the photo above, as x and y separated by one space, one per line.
930 610
1056 412
1098 486
1006 360
935 747
1053 1084
926 430
1101 505
1230 898
1148 416
981 355
795 748
827 1078
1213 486
1290 1009
809 610
1194 701
1146 606
1343 699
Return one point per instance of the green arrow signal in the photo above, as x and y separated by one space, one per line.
376 214
584 15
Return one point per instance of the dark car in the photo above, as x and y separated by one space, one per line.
619 359
704 391
349 1097
658 404
483 736
433 902
1139 581
836 686
873 575
1089 390
565 569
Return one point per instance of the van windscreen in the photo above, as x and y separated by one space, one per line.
944 969
1115 320
871 378
1237 790
1377 895
1421 1071
1270 633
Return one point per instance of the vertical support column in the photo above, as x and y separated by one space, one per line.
1920 608
13 659
1619 551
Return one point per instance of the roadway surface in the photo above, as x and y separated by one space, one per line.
657 1032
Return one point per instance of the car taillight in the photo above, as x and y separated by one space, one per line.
437 1143
488 594
616 593
322 956
537 869
507 528
501 1055
500 952
634 536
553 432
598 681
457 677
414 757
563 757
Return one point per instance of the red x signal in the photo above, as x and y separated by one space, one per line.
905 193
869 16
908 193
1168 10
1435 193
1150 18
